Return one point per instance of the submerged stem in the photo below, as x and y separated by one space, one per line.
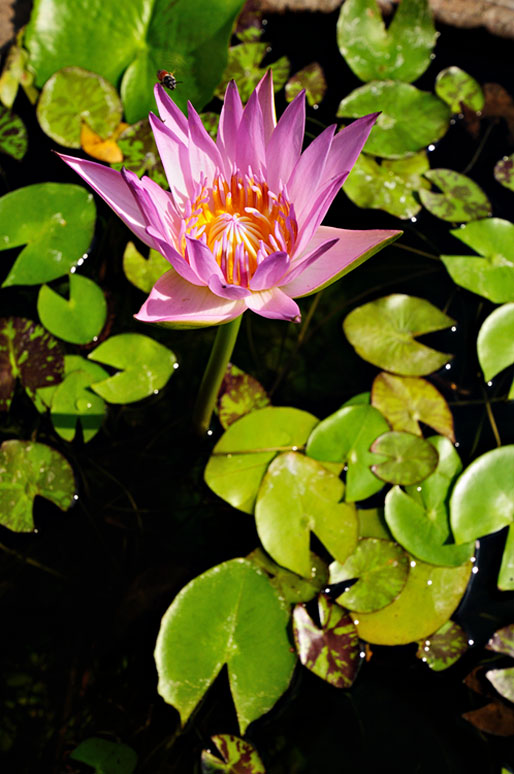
221 353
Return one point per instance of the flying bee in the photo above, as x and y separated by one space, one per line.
167 79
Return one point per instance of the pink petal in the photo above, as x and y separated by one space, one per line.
347 144
230 118
178 262
266 94
270 271
352 249
318 212
223 290
285 144
174 300
170 114
113 189
274 304
204 156
150 205
308 173
311 256
250 151
202 261
174 157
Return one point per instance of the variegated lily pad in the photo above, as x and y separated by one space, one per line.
457 88
244 67
237 757
13 134
444 647
502 641
239 394
140 154
310 78
461 199
290 586
504 171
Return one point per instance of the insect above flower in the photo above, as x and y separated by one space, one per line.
240 225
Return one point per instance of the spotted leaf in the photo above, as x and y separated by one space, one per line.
239 394
237 757
444 647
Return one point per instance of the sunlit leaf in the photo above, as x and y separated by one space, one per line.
292 588
299 496
382 332
372 523
408 458
143 272
400 52
410 119
461 199
457 88
105 757
502 641
72 402
242 455
140 153
346 436
506 574
145 367
13 134
55 221
405 401
228 615
381 567
428 599
10 78
103 149
332 652
243 66
503 681
239 394
312 79
237 757
444 647
78 319
491 275
504 171
495 343
28 469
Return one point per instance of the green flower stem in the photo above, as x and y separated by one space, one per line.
220 356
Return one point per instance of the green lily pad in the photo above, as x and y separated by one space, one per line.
409 459
495 343
405 401
504 171
241 457
243 66
140 152
426 602
381 567
461 199
410 119
506 574
79 319
13 134
346 436
228 615
457 88
55 221
132 42
105 757
299 496
143 272
331 652
30 354
312 79
73 95
491 275
239 394
372 524
401 52
432 493
28 469
444 647
12 72
73 403
482 500
382 332
292 588
237 757
145 367
502 641
503 681
388 186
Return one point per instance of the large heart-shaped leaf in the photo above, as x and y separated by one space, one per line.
495 343
78 319
55 221
72 402
228 615
143 272
299 496
457 88
105 757
237 757
400 52
461 199
383 332
410 119
408 458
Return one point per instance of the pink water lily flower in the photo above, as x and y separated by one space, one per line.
240 225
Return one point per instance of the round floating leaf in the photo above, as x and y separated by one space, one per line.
504 171
502 641
382 332
372 523
444 648
237 757
229 615
427 601
381 567
495 343
388 186
332 652
492 275
28 469
461 199
145 367
310 78
503 681
409 120
506 574
79 319
432 493
13 135
346 436
405 401
242 455
143 272
483 498
132 42
299 496
73 403
243 67
457 88
409 459
105 757
55 221
73 95
290 587
140 153
400 52
239 394
30 354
